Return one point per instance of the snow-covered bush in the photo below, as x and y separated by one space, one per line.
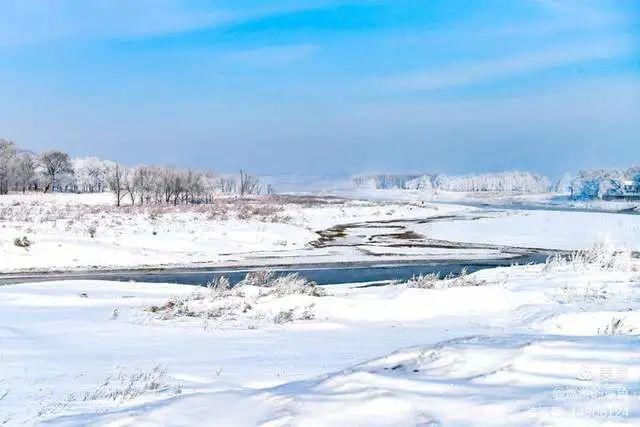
601 256
424 281
434 280
221 301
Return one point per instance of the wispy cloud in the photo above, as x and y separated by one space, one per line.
585 11
26 22
31 21
470 73
271 56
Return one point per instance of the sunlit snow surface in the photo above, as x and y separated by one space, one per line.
526 345
532 345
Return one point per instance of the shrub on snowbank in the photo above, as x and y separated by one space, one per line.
23 242
601 256
221 301
434 280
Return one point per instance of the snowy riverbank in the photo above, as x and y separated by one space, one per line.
553 345
67 232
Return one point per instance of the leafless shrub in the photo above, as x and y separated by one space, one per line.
284 316
582 294
617 326
434 280
260 278
424 281
23 242
293 314
123 387
218 211
307 201
155 213
265 210
220 286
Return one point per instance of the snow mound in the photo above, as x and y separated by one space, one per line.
594 323
483 381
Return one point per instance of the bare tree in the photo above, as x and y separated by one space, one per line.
249 185
228 186
25 170
143 183
55 164
118 177
55 171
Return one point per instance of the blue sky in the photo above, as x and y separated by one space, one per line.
326 87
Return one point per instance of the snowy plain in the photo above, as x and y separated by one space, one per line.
85 231
541 229
529 345
553 344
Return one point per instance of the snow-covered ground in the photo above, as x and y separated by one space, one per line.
83 232
540 229
487 198
553 344
555 222
534 345
69 231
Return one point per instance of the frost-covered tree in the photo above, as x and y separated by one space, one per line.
91 174
521 182
563 185
603 183
7 158
249 185
516 181
55 165
388 181
228 185
25 171
56 171
424 183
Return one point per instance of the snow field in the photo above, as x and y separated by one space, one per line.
510 346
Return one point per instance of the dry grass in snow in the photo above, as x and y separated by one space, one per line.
437 281
85 231
602 256
248 300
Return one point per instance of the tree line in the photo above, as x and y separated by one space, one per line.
603 183
515 181
55 171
